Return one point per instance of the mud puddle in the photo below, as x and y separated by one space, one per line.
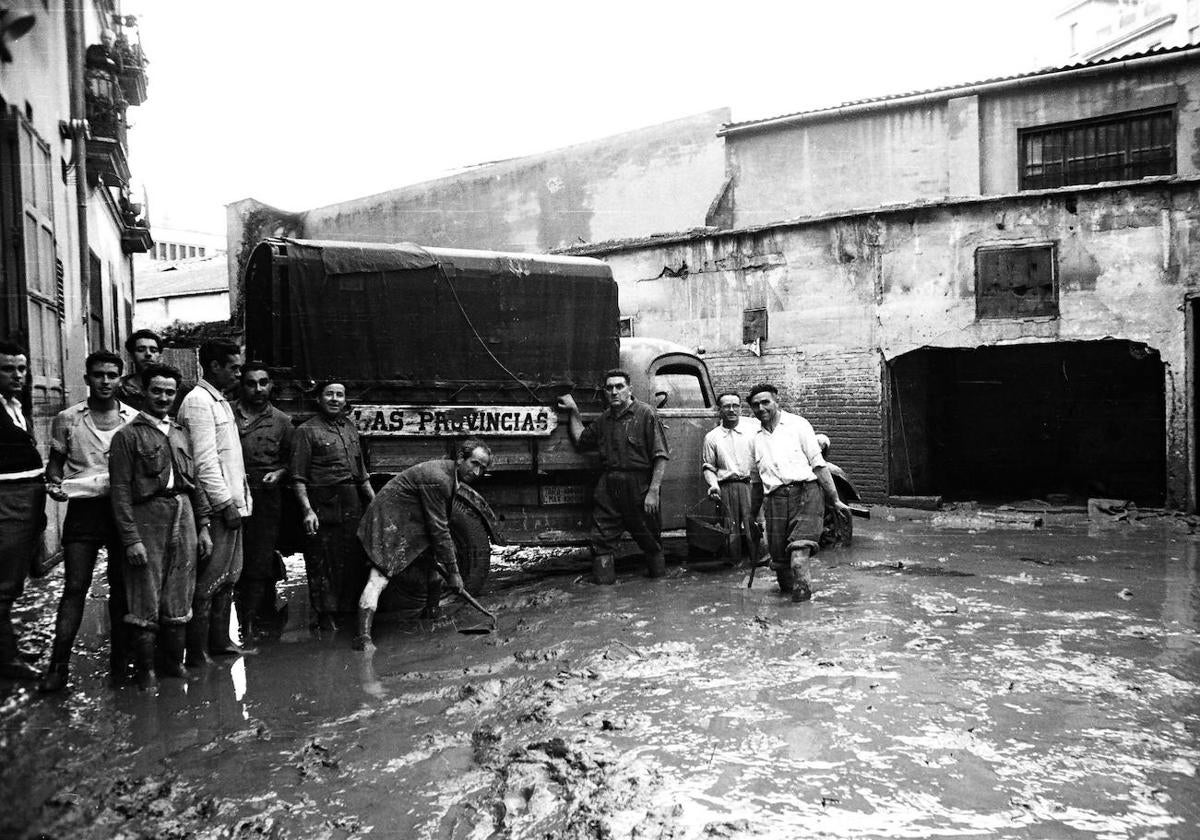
998 697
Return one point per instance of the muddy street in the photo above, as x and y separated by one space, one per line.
1009 684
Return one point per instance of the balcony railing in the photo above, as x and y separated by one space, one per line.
108 146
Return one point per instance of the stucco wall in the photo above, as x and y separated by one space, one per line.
1003 114
839 163
659 178
953 144
846 293
155 313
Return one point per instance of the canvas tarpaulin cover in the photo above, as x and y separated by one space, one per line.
361 311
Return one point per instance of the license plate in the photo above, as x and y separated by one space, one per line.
563 494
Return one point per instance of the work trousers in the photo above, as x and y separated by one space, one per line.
334 560
794 514
262 536
618 506
224 565
22 520
739 513
160 592
88 527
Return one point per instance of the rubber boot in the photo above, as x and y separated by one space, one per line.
196 637
787 580
801 589
219 643
173 643
656 565
362 639
604 570
143 649
249 597
55 679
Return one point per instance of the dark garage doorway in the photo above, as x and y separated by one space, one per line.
1073 419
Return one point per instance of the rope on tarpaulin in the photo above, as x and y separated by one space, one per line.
479 338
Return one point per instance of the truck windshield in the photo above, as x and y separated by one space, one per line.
679 386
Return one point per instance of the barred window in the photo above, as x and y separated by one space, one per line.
1118 148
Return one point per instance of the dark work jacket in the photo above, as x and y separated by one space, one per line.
140 461
18 449
411 515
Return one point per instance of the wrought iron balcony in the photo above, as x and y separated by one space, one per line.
107 148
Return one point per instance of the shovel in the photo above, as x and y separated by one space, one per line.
470 599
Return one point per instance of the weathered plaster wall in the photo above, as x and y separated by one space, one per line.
845 293
895 153
659 178
839 163
1001 115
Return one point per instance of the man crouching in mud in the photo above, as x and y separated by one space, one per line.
409 520
794 476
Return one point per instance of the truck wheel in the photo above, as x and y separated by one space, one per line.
472 546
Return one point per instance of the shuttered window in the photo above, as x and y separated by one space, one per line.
1124 147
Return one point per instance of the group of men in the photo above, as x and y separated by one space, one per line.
767 473
164 482
186 494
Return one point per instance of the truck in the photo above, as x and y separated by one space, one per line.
435 345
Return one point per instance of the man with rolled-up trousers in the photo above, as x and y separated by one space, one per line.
796 487
221 476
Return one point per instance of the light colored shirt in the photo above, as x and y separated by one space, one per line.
13 407
726 452
787 455
164 426
217 448
74 435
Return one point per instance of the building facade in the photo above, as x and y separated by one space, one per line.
69 223
980 292
1094 29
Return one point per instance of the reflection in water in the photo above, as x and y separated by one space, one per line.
237 673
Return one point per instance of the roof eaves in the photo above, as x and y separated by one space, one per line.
692 234
897 100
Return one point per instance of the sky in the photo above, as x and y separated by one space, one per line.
301 104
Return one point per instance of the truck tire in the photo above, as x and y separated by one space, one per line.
406 594
472 546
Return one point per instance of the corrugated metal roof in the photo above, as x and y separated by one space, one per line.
186 277
950 89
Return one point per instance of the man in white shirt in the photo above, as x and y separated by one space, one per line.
77 474
796 487
728 467
221 475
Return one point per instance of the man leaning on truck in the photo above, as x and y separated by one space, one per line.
633 456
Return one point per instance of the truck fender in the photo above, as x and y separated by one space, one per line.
471 498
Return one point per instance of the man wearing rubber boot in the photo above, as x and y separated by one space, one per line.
162 520
22 503
266 434
77 474
796 485
633 455
409 521
221 475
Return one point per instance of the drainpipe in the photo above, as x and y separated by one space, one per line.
79 134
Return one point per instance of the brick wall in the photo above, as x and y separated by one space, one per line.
839 392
